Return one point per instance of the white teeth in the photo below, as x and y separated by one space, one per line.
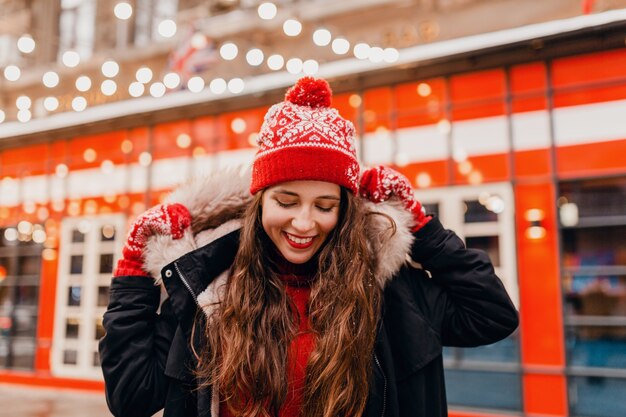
300 241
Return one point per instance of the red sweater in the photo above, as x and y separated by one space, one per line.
297 279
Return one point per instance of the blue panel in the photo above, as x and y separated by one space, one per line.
597 397
481 389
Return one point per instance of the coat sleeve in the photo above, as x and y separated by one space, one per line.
469 306
134 350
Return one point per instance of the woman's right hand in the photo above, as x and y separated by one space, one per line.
165 219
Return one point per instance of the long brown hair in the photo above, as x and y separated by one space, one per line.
250 332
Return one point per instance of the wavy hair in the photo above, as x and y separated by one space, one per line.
249 333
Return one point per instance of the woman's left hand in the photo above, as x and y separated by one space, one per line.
380 183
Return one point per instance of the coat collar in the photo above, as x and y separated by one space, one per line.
217 200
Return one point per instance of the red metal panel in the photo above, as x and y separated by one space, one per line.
600 158
540 303
532 163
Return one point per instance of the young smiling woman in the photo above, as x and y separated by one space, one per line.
298 290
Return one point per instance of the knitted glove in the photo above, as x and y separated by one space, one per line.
164 219
380 183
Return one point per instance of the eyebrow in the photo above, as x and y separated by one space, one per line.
322 197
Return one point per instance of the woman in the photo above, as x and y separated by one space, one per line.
301 291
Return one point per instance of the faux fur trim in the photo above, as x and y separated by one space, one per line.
217 202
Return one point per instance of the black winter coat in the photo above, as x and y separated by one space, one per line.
148 365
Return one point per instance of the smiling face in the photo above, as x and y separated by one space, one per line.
298 216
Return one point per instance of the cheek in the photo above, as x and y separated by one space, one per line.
270 219
328 224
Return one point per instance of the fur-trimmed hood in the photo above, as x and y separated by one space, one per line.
218 200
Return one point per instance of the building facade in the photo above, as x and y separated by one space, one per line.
513 137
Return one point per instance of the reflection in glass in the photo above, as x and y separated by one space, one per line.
475 212
106 263
103 296
472 388
597 346
96 359
595 396
71 328
76 264
27 295
77 236
70 357
489 244
99 331
432 209
73 296
504 351
28 265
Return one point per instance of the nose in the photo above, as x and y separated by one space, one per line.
302 221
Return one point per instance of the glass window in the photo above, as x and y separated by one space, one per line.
149 13
70 357
592 214
77 27
489 244
477 212
107 233
76 264
468 388
71 329
106 263
77 236
103 296
73 297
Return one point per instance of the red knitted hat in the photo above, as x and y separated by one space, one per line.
303 138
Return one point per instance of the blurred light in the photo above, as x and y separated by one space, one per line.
50 79
157 90
355 100
108 87
10 234
183 141
294 66
310 67
495 204
229 51
444 127
198 151
51 103
391 55
25 227
195 84
267 11
39 236
144 75
236 85
107 166
423 180
238 125
255 57
108 231
136 89
123 11
424 90
83 83
322 37
26 44
61 170
292 27
198 41
167 28
402 159
2 116
535 232
145 159
252 138
126 146
24 116
275 62
376 54
171 80
568 214
90 155
217 86
475 178
361 50
49 254
70 59
534 215
12 73
340 46
110 69
84 226
23 102
465 167
29 207
79 103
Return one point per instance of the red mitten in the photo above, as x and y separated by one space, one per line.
380 183
164 219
